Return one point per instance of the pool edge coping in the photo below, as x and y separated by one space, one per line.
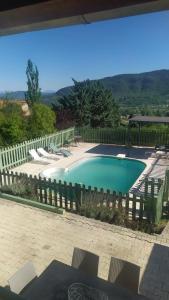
147 163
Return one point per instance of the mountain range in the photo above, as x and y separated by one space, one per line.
128 89
20 95
135 89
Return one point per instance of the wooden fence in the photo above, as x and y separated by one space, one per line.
18 154
166 186
75 197
123 136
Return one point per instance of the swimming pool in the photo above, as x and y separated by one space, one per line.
103 172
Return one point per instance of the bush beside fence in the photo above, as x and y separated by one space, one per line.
75 198
18 154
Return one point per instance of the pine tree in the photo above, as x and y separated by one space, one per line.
91 105
104 110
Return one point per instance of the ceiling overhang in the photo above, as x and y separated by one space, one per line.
27 15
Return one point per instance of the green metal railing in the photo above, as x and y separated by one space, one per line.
123 136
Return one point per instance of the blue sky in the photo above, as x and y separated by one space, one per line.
127 45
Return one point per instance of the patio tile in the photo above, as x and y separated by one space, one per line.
29 234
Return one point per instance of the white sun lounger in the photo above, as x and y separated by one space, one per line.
36 157
45 154
159 154
121 155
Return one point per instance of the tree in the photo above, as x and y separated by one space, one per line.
78 102
12 125
104 110
64 117
41 121
33 95
91 105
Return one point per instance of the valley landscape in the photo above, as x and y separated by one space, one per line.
145 93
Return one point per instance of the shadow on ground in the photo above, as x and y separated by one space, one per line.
133 152
155 280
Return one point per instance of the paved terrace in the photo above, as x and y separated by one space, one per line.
28 233
89 149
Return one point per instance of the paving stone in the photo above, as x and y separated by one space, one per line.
30 234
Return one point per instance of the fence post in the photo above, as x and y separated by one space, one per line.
61 139
159 205
166 186
1 166
78 195
150 202
26 149
0 178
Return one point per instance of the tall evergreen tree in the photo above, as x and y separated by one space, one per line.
33 93
104 110
77 102
91 105
81 102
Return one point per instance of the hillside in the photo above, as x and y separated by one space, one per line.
16 95
136 89
151 88
47 97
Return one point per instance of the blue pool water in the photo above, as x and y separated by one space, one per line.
104 172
